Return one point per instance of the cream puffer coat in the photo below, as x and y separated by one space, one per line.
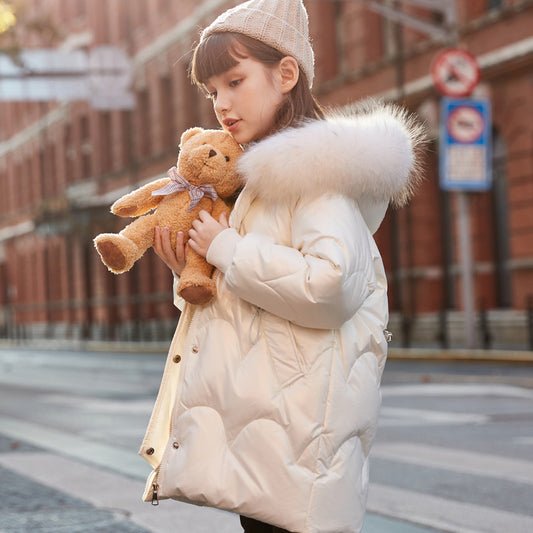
270 395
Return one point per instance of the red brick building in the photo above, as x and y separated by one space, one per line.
63 163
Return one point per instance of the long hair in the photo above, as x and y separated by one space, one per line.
222 51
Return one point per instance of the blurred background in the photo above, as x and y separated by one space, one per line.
95 94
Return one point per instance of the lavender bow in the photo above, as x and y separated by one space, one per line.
179 183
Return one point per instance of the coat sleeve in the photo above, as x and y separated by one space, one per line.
318 282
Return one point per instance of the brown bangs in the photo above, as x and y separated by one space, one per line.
215 55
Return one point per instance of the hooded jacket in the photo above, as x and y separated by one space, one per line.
270 395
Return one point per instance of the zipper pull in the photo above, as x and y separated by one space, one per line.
155 488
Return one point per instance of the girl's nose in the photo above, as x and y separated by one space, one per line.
221 104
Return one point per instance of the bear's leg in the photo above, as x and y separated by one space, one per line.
195 285
120 251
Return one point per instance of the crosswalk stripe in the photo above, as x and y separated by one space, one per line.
462 461
453 389
400 416
117 459
110 490
442 514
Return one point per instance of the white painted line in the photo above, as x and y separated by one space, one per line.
525 441
108 490
462 461
118 459
443 514
441 389
399 416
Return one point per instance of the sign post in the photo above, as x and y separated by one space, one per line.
464 154
465 165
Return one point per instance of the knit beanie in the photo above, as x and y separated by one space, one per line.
282 24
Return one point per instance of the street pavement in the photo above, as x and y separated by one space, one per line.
453 453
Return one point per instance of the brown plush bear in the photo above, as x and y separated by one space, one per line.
205 173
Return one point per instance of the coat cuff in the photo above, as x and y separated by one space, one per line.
222 249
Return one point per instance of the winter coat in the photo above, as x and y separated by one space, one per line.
270 394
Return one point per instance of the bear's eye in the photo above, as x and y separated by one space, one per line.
227 158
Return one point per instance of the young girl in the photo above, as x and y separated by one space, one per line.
270 395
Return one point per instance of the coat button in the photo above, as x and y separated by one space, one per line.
150 451
195 349
176 445
177 358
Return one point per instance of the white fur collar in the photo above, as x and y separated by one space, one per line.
367 153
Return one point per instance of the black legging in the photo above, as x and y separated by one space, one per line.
254 526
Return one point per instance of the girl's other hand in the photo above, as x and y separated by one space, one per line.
163 248
205 230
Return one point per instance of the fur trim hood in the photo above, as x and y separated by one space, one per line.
367 152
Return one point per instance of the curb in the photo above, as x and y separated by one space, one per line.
461 355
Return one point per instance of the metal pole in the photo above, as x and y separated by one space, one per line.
467 270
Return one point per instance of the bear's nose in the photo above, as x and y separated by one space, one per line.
212 153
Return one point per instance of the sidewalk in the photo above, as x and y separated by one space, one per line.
396 353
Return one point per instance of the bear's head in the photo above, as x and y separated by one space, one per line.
210 157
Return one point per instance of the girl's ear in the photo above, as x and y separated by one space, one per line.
290 72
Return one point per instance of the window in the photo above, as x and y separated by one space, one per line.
144 129
166 117
86 163
105 143
494 4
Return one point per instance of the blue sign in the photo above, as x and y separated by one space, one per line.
465 144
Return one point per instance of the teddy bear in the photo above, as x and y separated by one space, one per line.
205 174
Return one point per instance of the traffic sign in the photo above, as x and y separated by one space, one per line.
465 149
455 72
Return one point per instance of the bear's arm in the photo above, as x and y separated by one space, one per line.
139 201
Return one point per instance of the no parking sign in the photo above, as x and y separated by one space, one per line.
465 151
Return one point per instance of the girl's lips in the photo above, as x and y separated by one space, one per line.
232 124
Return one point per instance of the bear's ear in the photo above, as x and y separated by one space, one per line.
191 132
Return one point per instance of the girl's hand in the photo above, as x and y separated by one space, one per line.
204 230
162 247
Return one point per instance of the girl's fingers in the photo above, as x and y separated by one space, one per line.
180 248
223 219
157 240
165 241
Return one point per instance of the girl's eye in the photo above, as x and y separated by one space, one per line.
234 83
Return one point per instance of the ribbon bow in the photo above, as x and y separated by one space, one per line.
179 183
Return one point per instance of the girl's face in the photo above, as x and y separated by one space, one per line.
246 98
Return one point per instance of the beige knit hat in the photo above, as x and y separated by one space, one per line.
282 24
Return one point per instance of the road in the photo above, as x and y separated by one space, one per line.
453 452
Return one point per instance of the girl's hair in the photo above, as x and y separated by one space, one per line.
222 51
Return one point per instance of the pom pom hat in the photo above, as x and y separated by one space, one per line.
282 24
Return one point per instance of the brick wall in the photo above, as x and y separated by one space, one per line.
41 165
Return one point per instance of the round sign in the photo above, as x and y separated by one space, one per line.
465 124
455 72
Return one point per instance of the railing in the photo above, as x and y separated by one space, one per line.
157 326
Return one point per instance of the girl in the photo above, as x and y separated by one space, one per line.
270 396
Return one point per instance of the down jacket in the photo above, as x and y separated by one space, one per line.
270 395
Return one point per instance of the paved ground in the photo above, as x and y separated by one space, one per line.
454 451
